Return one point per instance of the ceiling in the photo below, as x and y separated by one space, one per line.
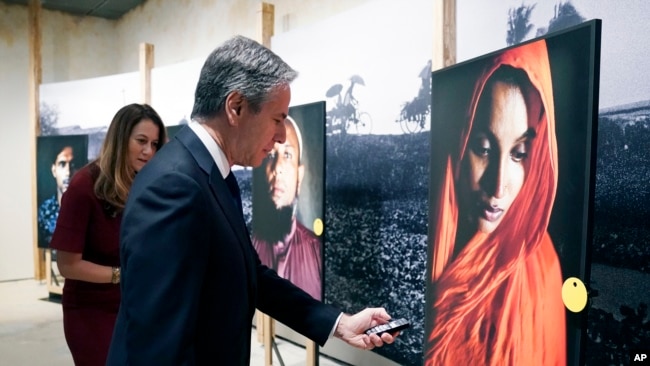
108 9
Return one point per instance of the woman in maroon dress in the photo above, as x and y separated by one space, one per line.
87 231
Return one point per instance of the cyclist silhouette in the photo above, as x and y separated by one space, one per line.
414 113
349 101
345 116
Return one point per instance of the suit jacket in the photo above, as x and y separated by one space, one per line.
190 276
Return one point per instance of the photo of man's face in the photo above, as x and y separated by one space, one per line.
288 200
58 158
283 170
62 169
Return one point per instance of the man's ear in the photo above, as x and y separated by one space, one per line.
234 103
53 170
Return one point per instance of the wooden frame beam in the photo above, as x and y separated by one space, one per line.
35 78
265 23
444 34
146 64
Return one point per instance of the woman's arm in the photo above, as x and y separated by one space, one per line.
73 267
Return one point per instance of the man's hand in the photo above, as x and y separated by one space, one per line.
351 329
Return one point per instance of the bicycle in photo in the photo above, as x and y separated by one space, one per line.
345 117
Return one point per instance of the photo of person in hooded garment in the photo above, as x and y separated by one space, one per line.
494 285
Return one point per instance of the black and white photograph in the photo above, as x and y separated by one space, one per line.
375 81
172 91
86 106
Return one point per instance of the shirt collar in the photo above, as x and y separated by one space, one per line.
213 148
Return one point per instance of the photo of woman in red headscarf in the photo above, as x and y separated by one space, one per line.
494 285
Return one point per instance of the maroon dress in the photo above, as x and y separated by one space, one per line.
87 225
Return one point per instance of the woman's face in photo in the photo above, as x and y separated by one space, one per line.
493 166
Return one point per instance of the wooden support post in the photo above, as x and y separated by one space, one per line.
35 77
444 34
146 64
265 20
312 353
265 23
53 279
265 332
268 340
259 326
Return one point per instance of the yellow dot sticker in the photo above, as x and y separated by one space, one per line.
318 227
574 294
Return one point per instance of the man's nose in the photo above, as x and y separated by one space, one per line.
281 134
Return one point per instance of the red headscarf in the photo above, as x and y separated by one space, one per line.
498 302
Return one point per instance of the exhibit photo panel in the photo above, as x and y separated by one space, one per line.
289 201
513 136
376 83
57 159
620 256
86 106
172 91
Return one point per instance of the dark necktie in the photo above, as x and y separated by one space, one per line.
231 181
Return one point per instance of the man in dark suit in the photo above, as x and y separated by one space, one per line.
190 276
